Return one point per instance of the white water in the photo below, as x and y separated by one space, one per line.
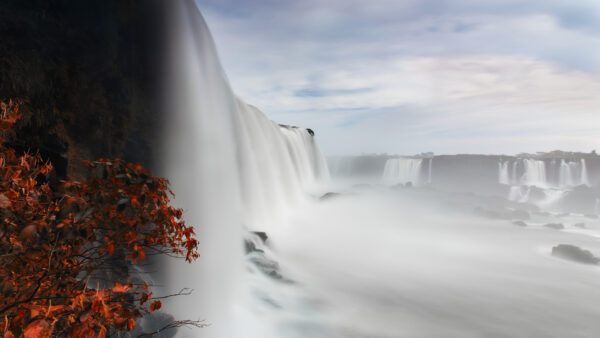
402 266
535 173
585 180
230 167
569 174
402 170
503 176
519 193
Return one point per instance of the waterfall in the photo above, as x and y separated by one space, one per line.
573 173
565 178
535 173
402 170
584 175
503 176
429 176
514 172
229 166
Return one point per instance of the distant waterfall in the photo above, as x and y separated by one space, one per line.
429 175
229 166
585 180
535 173
555 174
402 170
503 176
514 172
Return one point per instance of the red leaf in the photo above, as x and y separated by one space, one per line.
155 305
130 324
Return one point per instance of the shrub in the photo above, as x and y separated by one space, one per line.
65 250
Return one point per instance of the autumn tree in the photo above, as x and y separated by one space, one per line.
65 249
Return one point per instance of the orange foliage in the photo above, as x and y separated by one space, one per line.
55 244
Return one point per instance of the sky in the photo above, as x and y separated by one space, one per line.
410 76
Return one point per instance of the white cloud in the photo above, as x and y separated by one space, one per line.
406 77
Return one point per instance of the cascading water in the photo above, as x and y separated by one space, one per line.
585 180
503 176
229 167
402 170
569 173
566 173
560 177
429 175
535 173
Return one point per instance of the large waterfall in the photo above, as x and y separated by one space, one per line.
229 166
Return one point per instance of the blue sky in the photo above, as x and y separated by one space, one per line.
404 76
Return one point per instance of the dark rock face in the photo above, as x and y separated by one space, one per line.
88 72
310 131
257 256
555 226
261 234
574 253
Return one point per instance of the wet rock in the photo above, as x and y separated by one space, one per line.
252 241
267 266
261 234
249 247
556 226
520 223
310 131
579 225
574 253
329 195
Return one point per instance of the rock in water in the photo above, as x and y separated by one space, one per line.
556 226
520 223
329 195
579 225
261 234
574 253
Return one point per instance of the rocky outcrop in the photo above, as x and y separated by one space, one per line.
574 253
